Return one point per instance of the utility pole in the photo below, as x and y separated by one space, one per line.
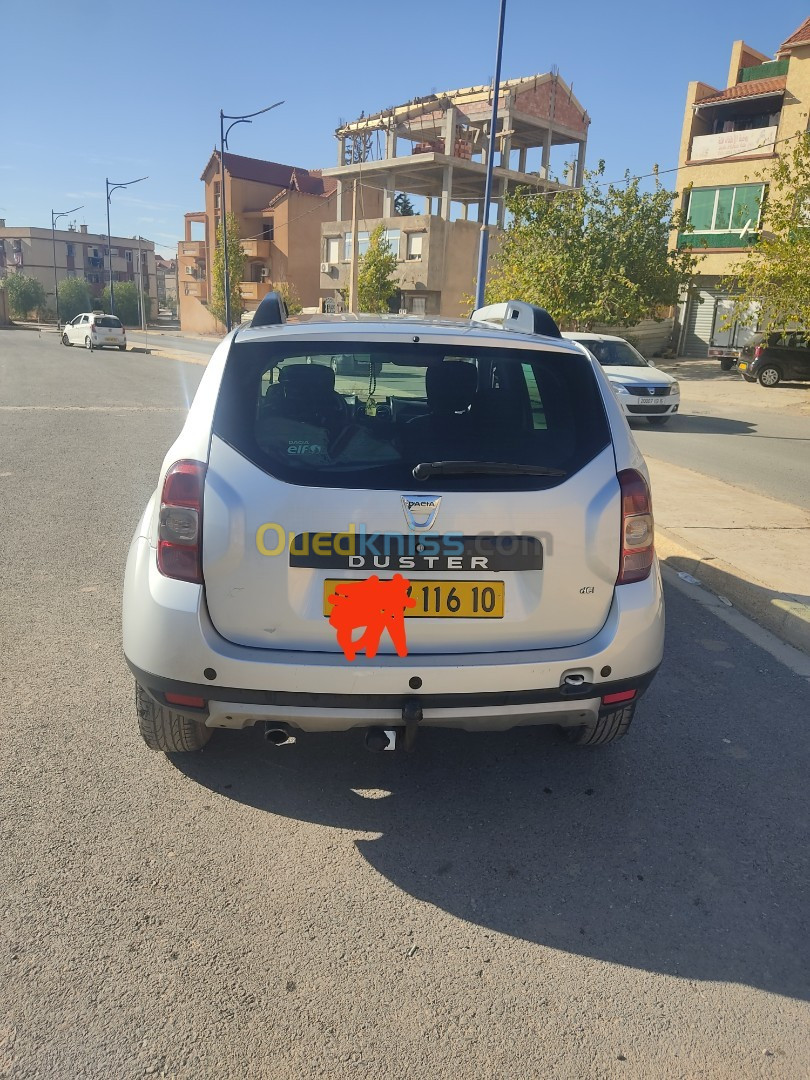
353 264
111 187
483 242
54 218
141 311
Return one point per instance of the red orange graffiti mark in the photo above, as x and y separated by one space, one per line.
373 604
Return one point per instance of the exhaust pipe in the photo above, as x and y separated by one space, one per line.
277 734
378 739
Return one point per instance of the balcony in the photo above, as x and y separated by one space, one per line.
255 290
732 144
256 249
194 248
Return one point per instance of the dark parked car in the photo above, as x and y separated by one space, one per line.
781 356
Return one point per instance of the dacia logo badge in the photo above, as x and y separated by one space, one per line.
420 511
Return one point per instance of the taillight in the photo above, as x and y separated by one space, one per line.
637 528
185 699
180 523
757 352
607 699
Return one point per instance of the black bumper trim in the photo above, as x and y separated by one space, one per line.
157 685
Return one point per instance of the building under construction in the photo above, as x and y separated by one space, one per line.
434 150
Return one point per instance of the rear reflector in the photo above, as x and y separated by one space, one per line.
180 522
609 699
637 528
187 700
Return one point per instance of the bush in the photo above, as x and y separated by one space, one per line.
74 298
25 294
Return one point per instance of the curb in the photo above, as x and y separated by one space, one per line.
783 615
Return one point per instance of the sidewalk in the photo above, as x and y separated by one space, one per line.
748 548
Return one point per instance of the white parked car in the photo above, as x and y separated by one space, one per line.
462 537
642 393
95 330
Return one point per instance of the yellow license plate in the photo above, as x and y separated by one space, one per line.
742 366
444 599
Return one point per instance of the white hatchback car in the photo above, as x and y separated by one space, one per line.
458 535
643 394
95 330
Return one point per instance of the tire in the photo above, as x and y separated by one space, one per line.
769 376
608 728
164 729
749 378
88 343
66 341
726 365
657 421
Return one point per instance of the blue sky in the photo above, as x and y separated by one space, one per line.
93 90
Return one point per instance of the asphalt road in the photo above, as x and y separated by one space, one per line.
491 906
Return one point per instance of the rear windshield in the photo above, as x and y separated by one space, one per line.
108 321
360 419
615 353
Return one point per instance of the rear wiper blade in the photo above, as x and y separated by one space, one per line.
481 468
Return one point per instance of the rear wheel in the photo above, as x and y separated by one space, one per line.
66 341
769 376
727 364
164 729
656 421
608 728
88 343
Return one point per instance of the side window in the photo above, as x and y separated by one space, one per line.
83 319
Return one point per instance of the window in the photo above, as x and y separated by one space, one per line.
268 229
362 245
725 209
415 246
217 200
128 256
70 251
333 250
392 236
418 305
301 415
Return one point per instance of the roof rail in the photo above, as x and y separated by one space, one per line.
519 316
272 311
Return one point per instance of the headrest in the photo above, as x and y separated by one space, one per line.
450 386
307 378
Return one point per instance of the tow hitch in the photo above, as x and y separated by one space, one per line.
380 738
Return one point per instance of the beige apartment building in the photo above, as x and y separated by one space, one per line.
730 141
79 253
279 210
434 150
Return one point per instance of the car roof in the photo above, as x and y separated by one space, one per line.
349 327
575 335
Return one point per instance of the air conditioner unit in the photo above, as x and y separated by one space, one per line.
326 267
265 273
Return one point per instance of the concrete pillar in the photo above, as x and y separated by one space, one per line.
464 211
546 152
339 201
388 198
428 205
522 159
447 191
391 143
450 131
341 150
580 165
502 203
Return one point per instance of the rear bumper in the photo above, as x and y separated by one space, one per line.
171 645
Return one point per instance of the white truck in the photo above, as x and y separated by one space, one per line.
729 335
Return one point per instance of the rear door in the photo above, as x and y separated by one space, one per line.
310 485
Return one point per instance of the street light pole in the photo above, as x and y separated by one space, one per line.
223 142
54 218
110 189
483 242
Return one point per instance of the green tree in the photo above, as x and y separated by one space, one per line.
774 275
403 205
289 295
126 302
594 254
375 285
25 294
236 269
74 298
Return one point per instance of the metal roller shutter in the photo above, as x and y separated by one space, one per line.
699 322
